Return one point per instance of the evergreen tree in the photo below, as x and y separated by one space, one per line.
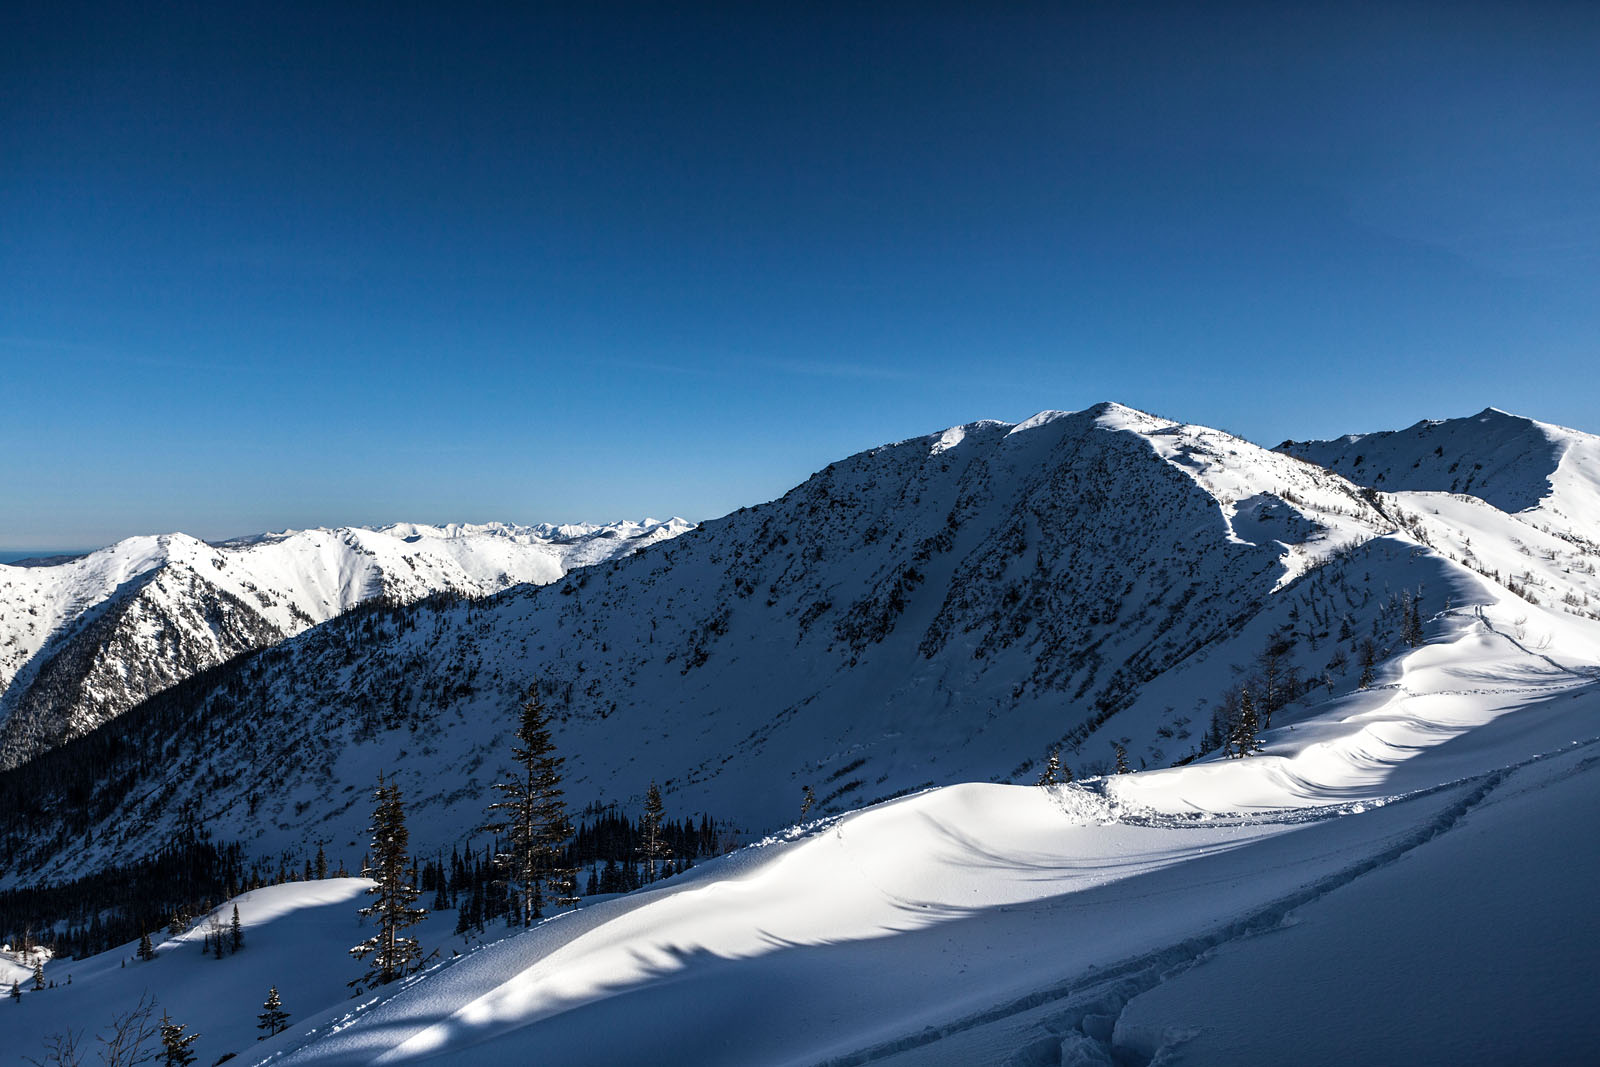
1245 740
1369 656
392 952
533 818
322 863
1052 765
236 932
654 845
175 1044
1411 619
807 798
16 992
274 1019
38 974
1122 758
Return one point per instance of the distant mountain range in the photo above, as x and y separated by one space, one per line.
83 639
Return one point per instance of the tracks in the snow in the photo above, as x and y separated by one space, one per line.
1086 1007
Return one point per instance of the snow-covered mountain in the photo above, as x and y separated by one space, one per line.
1545 473
941 611
82 640
944 609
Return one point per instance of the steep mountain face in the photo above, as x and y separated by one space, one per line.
82 640
942 609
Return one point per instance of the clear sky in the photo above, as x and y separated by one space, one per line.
270 265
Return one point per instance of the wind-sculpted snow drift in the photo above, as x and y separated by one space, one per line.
82 640
944 611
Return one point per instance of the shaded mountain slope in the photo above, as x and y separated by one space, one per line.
82 640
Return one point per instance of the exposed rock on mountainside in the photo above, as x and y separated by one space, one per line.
82 640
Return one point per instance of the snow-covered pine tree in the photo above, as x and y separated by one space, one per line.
16 992
38 974
392 953
175 1050
274 1019
653 843
1245 740
533 818
235 932
1369 656
322 863
807 798
1122 758
1051 766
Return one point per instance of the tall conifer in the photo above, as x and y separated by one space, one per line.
532 816
654 844
391 951
1245 739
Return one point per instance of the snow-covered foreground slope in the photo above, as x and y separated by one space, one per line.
1404 877
294 938
83 640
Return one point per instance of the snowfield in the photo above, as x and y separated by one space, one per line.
1404 874
1407 877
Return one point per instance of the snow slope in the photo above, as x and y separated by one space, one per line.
1226 911
973 923
83 640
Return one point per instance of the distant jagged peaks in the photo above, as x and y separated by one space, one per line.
1509 461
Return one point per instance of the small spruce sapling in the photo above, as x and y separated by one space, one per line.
1051 766
274 1019
175 1050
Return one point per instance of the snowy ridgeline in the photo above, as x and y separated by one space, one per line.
948 609
82 640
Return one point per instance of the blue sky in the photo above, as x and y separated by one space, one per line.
267 265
